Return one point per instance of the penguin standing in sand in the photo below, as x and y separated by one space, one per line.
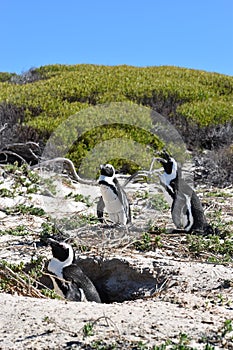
187 211
113 199
72 283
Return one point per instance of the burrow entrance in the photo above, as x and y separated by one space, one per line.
118 281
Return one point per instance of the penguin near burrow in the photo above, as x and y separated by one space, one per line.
113 198
69 280
186 209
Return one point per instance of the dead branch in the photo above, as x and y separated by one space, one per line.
19 281
3 127
28 151
10 153
69 164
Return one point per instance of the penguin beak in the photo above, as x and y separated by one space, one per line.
53 243
160 160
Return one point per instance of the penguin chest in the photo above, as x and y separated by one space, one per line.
111 199
182 212
187 214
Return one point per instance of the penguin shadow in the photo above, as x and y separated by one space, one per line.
207 231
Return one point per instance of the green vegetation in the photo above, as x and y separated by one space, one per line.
48 229
4 76
80 198
158 202
215 248
26 181
51 94
4 192
183 342
25 209
148 242
19 230
88 329
24 279
65 90
77 221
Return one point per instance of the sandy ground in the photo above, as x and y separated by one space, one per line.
190 306
52 324
195 299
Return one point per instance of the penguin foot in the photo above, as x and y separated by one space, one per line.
113 225
176 230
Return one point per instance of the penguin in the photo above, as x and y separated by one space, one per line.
186 209
72 283
113 197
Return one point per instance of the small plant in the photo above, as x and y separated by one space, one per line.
220 249
50 293
75 222
80 198
8 283
11 168
219 194
49 229
184 339
147 242
141 346
4 192
153 228
101 345
20 230
142 195
48 184
209 347
182 344
36 267
227 328
88 329
25 181
222 338
25 209
24 279
158 202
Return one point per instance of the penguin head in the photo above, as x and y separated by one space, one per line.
169 164
63 255
61 250
107 170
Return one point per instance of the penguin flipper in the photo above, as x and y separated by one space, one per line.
100 209
75 274
200 222
123 199
179 207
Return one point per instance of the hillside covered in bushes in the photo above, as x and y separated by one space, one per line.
199 104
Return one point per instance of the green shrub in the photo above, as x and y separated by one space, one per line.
193 100
4 76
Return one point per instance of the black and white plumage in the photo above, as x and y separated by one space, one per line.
187 211
78 286
113 198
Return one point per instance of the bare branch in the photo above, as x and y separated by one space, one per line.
10 153
3 127
67 162
14 276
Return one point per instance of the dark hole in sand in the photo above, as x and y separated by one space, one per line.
118 281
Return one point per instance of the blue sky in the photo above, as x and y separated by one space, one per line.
194 34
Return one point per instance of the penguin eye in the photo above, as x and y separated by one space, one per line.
64 245
109 166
